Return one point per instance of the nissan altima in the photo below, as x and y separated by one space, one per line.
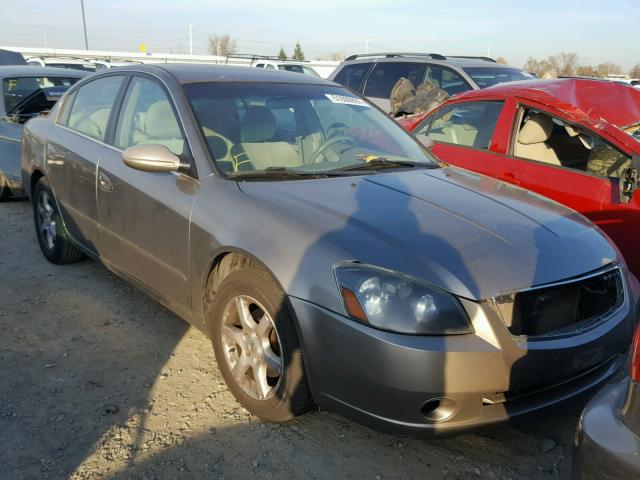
329 257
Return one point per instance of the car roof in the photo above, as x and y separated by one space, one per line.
581 99
199 73
458 62
33 70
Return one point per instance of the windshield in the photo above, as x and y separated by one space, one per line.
487 76
309 128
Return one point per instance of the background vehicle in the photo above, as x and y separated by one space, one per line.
328 256
575 141
374 75
607 443
26 92
287 66
7 57
63 62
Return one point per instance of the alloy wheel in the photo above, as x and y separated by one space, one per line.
252 347
46 220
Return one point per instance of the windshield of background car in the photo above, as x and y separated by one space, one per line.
487 76
33 94
252 126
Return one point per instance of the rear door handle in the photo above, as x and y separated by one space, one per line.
510 177
105 183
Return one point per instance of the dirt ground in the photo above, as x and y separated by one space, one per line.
99 381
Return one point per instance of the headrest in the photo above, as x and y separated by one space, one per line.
537 129
160 121
258 125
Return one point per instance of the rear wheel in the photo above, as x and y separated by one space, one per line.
257 347
52 236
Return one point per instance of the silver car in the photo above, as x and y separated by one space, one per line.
26 92
329 257
375 74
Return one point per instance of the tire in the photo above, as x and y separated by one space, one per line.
5 191
288 394
52 236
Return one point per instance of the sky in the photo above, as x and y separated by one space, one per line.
597 31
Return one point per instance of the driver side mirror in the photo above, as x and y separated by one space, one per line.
152 158
629 180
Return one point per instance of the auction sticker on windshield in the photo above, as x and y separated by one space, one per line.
343 99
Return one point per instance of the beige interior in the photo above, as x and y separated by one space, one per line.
159 126
257 133
533 137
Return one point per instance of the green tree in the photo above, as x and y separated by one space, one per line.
298 54
282 55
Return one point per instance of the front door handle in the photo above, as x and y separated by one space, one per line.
105 183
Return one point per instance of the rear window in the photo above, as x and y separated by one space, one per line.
351 76
487 76
29 96
386 74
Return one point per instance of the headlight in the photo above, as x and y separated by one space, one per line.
395 302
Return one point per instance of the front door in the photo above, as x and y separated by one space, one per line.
144 217
466 135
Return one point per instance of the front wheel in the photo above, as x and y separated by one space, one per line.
257 347
52 236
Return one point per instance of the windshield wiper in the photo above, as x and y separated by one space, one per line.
381 162
285 173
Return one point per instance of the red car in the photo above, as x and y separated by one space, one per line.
576 141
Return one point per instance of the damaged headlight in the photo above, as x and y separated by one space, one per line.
395 302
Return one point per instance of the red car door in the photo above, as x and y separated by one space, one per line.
593 193
470 135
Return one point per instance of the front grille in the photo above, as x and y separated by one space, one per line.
564 307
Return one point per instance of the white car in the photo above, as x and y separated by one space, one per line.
297 67
63 62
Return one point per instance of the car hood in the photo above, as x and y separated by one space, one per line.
466 233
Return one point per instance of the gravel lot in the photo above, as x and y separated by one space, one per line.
99 381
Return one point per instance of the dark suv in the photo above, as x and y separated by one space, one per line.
374 75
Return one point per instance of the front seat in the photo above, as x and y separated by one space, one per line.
533 137
257 133
161 127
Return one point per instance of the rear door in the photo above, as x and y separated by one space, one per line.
384 76
73 154
586 178
144 217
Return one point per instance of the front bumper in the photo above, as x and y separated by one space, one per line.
605 448
428 386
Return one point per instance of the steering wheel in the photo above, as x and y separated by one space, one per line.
89 121
330 142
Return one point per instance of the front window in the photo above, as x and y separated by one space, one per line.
487 76
25 97
467 124
309 129
446 79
